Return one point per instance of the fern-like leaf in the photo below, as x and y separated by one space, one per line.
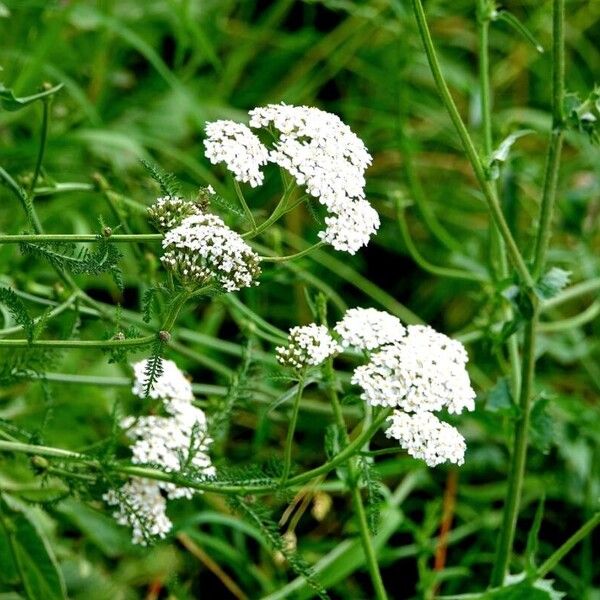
169 185
258 515
18 310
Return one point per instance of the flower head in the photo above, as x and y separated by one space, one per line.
240 149
369 329
323 154
424 436
424 371
308 345
203 248
169 211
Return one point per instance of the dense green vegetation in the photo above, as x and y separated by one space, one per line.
139 81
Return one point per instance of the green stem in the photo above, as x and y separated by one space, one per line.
469 147
278 259
244 204
278 211
556 139
567 546
138 471
287 455
579 289
518 458
363 526
42 148
68 237
423 262
23 343
519 453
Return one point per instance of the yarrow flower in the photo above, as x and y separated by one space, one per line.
240 149
203 248
320 152
308 345
424 436
169 211
173 442
369 329
325 155
424 371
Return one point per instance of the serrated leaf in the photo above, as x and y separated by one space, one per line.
10 102
519 588
18 310
552 282
500 399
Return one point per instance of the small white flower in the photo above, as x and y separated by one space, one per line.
424 436
240 149
308 345
203 248
425 370
141 506
369 329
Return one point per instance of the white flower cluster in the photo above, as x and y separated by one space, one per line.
369 329
169 211
168 442
203 248
414 370
308 345
425 370
318 150
240 149
424 436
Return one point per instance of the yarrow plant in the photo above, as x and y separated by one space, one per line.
201 257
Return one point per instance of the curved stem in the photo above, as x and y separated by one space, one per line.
423 262
589 314
279 259
244 204
572 293
469 147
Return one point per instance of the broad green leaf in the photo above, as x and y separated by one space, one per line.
8 101
33 556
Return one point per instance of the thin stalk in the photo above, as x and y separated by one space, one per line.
42 147
113 343
69 237
572 293
554 151
278 259
447 272
244 204
567 546
363 526
469 147
287 454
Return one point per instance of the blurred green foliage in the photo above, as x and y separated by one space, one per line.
140 80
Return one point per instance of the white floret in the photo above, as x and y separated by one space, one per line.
308 345
369 329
